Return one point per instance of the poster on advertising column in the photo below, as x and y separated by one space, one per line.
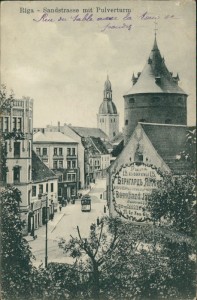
131 188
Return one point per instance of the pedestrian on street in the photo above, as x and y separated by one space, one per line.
60 207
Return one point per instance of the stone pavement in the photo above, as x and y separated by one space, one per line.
52 224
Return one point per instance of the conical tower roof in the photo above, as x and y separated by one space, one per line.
155 77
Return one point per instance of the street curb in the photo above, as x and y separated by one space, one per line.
57 223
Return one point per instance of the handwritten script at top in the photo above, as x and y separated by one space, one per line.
89 17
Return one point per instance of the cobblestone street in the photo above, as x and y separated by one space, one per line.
64 224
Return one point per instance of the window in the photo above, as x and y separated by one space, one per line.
73 177
55 164
34 191
6 124
40 188
69 177
142 120
114 133
111 120
68 151
51 187
29 173
47 188
60 151
69 164
16 174
168 121
126 122
30 125
44 151
38 151
55 151
131 100
17 149
61 164
14 123
73 164
73 151
20 124
29 149
155 100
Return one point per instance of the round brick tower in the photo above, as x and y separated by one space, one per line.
155 96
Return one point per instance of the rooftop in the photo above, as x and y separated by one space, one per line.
52 137
94 146
155 77
169 140
87 132
40 172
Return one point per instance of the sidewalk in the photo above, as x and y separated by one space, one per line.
51 225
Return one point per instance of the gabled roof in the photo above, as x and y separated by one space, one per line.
95 146
155 77
87 132
169 141
40 172
52 137
118 149
117 139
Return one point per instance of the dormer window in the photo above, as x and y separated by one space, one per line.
157 79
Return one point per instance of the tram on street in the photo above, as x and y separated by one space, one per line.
86 203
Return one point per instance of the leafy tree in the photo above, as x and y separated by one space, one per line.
173 208
16 266
95 250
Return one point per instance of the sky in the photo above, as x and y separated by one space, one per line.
63 65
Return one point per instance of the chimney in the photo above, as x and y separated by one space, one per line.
58 126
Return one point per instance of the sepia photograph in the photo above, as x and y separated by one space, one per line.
98 150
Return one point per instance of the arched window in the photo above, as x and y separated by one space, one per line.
131 100
155 100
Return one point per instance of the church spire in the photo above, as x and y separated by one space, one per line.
107 89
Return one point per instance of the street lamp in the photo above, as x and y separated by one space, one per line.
46 237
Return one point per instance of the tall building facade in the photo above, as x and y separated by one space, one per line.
60 154
16 126
108 117
155 96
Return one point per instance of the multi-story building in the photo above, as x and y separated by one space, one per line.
97 158
16 127
60 153
69 132
43 193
